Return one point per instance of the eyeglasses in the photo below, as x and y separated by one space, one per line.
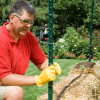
25 21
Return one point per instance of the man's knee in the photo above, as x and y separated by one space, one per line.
14 93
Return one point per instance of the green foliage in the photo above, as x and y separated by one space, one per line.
56 32
73 46
70 34
74 42
35 30
58 50
75 13
44 46
96 44
4 10
61 54
83 31
41 17
42 11
96 50
64 14
96 14
69 13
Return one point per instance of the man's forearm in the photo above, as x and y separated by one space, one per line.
18 80
43 65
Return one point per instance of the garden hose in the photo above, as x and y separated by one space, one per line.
71 82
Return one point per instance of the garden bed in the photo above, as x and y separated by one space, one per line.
84 88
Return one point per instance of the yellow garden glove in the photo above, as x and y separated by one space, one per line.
57 68
48 74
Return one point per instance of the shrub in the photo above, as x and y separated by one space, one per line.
61 54
74 46
74 43
97 52
44 46
56 48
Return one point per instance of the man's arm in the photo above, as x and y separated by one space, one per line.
43 65
18 80
21 80
48 74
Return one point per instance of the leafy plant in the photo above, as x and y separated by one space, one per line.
74 43
44 46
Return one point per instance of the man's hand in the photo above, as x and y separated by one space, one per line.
57 68
48 74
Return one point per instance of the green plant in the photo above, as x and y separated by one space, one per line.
61 54
74 43
56 48
72 46
35 30
96 52
44 46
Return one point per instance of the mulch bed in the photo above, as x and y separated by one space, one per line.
86 87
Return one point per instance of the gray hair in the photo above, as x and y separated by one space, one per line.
19 6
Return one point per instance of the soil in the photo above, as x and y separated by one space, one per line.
85 64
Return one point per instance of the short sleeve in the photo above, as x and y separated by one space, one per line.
37 55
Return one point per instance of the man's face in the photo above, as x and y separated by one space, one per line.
22 23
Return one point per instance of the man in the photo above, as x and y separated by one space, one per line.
17 46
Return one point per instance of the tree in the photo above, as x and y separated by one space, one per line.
68 13
4 10
41 16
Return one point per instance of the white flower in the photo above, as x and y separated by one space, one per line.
62 46
61 40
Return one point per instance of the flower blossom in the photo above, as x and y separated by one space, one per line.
61 40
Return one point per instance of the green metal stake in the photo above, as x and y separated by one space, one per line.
50 84
91 30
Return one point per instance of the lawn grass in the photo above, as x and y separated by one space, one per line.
32 92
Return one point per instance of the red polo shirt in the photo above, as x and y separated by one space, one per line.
15 55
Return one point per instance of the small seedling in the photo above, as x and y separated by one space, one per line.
82 67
